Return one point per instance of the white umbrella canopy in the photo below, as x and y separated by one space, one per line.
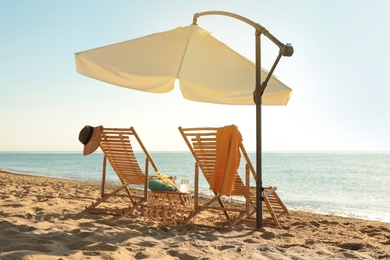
207 69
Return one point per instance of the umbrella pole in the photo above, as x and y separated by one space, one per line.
258 94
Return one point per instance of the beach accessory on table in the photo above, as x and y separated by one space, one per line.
158 185
167 180
185 186
90 137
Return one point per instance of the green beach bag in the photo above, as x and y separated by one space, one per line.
160 186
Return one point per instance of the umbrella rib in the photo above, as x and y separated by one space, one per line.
185 51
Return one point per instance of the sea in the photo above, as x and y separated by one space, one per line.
350 184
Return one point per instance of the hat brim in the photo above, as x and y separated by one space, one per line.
94 142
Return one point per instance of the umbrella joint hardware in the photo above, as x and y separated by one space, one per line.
258 92
287 50
261 197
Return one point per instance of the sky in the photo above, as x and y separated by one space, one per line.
338 73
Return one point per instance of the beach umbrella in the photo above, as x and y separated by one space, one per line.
207 69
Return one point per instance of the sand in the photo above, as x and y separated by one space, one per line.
44 218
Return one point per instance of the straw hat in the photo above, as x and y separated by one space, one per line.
90 137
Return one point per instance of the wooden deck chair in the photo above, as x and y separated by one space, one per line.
118 150
202 144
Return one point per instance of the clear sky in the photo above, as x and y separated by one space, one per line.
338 73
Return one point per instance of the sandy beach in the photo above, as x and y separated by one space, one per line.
44 218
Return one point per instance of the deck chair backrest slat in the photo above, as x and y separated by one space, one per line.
203 145
118 149
117 146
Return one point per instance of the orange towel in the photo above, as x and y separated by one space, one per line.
227 160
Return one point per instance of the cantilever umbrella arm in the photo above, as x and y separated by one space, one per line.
258 93
284 50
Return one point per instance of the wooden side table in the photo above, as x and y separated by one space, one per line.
168 207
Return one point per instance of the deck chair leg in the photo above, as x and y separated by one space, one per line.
146 178
196 194
103 176
106 196
247 188
270 209
196 191
240 216
223 206
129 194
281 204
131 209
200 208
191 216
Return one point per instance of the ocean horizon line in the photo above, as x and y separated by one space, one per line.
249 151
